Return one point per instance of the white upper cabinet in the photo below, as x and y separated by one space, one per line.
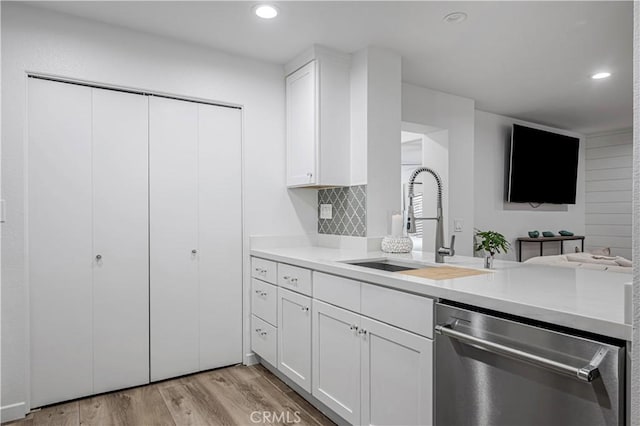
317 86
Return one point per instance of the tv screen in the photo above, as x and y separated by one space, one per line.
543 167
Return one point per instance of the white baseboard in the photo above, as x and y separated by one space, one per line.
250 359
13 412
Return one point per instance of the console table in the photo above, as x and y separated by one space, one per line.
543 240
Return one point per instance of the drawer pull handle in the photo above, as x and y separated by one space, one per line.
294 281
286 277
305 308
362 332
264 293
263 333
353 327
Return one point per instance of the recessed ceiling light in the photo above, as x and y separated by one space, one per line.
455 17
601 75
266 11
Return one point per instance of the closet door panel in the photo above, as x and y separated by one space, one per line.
121 232
220 234
59 241
173 174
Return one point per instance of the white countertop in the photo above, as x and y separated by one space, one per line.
586 300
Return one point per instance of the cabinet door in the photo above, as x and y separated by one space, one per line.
294 337
59 241
336 360
397 376
302 130
220 235
120 241
173 192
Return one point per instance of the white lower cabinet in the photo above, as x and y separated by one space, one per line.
366 371
336 360
294 337
264 340
369 372
396 376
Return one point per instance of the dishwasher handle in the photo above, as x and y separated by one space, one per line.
587 373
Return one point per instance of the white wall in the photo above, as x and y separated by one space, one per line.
427 107
383 139
45 42
493 213
435 155
634 356
609 173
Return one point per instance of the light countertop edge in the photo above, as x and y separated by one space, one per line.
595 317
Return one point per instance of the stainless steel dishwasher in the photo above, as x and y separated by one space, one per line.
493 369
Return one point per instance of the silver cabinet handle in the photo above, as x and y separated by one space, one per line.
98 257
353 327
286 277
293 281
362 331
587 373
194 251
305 308
263 293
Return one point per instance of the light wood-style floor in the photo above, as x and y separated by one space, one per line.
227 396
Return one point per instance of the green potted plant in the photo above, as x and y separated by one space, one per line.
491 243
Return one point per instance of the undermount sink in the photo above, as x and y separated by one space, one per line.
387 265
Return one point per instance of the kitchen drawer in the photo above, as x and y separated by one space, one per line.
404 310
264 340
264 301
338 291
264 270
294 278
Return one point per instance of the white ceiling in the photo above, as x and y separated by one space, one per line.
530 60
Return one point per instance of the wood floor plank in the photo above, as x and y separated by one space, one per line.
280 404
226 396
66 414
293 395
184 410
139 406
240 405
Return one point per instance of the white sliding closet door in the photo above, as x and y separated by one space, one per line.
196 237
88 240
59 241
220 235
173 173
121 235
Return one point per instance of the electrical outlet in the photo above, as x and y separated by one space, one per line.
326 211
458 225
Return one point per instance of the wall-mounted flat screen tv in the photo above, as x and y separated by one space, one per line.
543 167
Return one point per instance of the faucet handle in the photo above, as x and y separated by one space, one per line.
448 251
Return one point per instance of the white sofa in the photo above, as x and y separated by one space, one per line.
586 261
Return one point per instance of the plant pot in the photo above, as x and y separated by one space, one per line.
488 262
